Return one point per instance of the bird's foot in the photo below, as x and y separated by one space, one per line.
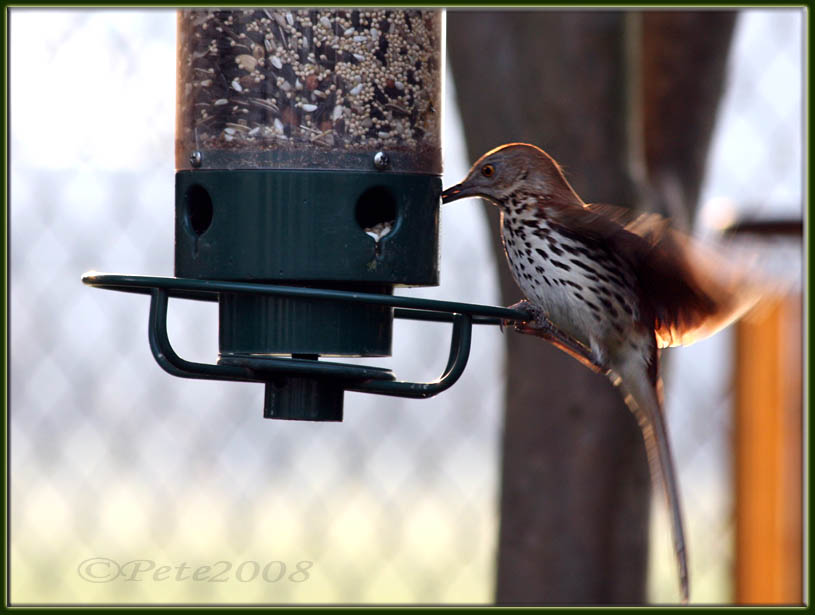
539 323
522 306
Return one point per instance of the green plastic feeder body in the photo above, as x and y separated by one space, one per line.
308 153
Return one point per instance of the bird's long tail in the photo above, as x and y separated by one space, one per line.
642 395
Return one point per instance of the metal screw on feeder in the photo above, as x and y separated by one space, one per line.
279 215
381 161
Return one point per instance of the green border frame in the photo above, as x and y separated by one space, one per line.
808 279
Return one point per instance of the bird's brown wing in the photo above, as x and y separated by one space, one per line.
709 292
603 221
646 225
688 290
673 294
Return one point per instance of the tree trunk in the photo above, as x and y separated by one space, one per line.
575 482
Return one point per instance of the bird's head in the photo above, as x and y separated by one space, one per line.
513 168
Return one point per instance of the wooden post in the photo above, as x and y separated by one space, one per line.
620 100
768 455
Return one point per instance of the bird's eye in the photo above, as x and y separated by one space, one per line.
487 170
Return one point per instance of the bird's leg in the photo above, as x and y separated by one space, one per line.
542 327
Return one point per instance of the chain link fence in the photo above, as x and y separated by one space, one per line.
180 486
755 170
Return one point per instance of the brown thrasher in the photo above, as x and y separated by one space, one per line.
608 288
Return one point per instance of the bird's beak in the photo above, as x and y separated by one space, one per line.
459 191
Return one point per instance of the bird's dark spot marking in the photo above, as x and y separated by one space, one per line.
584 251
653 365
529 260
619 298
620 281
601 290
540 213
579 296
555 250
609 307
563 266
570 248
545 279
615 258
542 252
527 243
539 269
531 223
582 265
567 233
615 276
574 284
627 309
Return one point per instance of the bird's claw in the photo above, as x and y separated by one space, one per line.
522 306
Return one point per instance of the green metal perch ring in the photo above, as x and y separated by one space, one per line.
359 378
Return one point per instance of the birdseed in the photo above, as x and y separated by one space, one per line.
309 88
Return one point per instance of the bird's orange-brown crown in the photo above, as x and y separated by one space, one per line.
515 168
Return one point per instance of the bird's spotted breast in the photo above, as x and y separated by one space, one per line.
582 290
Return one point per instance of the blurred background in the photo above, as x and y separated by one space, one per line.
400 503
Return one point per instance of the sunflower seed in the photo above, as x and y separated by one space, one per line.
246 62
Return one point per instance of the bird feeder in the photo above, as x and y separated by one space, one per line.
308 162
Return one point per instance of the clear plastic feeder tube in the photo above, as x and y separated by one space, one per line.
309 89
